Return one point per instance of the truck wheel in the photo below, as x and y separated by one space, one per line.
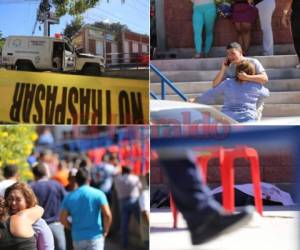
91 70
24 66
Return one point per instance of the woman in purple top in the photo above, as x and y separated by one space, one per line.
18 197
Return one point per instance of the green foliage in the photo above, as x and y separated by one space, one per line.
73 27
77 23
2 40
111 27
16 144
74 7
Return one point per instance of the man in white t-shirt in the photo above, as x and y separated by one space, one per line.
228 70
10 173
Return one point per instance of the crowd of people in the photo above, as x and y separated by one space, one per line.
68 204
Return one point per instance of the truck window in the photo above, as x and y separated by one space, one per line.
67 47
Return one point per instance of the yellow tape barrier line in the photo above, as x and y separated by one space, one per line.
51 98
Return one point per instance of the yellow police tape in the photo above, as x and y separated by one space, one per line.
52 98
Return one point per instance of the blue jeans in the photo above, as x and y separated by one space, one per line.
59 235
128 207
190 194
204 15
97 244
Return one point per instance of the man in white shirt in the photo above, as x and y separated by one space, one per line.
11 175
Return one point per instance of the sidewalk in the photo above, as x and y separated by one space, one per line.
277 230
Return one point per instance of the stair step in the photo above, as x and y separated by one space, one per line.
274 98
197 87
279 49
209 75
283 61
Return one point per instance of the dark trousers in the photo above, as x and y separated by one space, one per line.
190 195
295 23
128 207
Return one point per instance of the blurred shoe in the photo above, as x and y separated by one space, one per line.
218 224
197 55
298 66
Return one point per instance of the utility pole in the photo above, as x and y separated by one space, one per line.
44 15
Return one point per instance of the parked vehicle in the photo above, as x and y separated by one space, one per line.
177 113
31 53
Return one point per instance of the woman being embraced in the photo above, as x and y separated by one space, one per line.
20 197
16 232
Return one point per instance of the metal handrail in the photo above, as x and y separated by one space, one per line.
153 95
165 80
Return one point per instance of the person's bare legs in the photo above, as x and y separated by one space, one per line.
239 34
246 36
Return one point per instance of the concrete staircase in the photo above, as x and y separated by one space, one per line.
194 76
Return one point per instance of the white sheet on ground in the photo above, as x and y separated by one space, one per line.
269 192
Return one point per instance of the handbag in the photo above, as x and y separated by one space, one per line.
224 8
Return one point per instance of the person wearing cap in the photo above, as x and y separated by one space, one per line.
294 6
128 188
204 16
228 70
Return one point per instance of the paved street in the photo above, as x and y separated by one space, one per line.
275 231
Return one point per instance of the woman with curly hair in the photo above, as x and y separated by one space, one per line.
16 232
20 197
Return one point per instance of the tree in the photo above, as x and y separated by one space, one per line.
73 27
77 23
76 7
16 144
2 40
111 27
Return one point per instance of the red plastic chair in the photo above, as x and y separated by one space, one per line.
226 158
227 175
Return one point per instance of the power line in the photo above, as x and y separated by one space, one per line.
120 19
138 10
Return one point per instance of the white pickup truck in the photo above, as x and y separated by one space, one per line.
31 53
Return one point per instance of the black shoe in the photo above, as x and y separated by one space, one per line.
218 224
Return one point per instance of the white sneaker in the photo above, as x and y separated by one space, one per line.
298 66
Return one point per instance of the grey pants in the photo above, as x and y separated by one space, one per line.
265 11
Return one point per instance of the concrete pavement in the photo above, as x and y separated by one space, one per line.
277 230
